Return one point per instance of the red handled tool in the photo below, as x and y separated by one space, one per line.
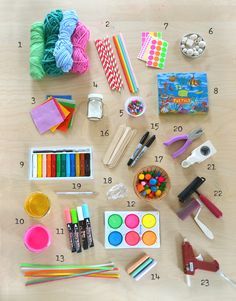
191 263
214 210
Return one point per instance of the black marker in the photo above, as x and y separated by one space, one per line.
146 146
88 227
76 234
138 148
82 228
70 229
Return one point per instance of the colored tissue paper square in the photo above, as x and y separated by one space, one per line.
64 112
155 54
46 115
144 35
67 123
69 104
182 93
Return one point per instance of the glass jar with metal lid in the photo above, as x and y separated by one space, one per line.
95 106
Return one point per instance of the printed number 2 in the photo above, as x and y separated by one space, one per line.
107 23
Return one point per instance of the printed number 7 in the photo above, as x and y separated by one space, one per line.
166 25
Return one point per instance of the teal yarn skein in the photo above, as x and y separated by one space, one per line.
51 31
64 49
36 50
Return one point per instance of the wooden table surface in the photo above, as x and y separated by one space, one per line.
18 134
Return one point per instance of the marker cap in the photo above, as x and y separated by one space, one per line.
80 213
85 211
74 216
67 215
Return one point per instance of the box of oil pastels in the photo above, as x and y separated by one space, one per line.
132 229
65 163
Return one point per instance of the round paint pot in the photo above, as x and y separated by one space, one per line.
115 238
37 238
192 45
135 106
37 204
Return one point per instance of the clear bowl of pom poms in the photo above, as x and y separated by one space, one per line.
151 183
135 106
192 45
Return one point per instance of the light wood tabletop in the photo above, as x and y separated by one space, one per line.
215 21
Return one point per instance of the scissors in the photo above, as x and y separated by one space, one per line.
189 139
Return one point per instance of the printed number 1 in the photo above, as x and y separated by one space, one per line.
166 25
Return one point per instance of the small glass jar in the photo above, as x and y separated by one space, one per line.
95 107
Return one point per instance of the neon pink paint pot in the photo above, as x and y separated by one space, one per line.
37 238
132 221
132 238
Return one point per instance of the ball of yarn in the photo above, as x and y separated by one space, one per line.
51 31
36 50
79 41
63 48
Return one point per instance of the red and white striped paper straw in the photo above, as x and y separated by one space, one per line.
105 63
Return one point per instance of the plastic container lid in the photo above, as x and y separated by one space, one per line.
37 238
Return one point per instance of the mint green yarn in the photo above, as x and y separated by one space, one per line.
51 31
36 50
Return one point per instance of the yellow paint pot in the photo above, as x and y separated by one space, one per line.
37 204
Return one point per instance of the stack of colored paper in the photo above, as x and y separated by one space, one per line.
56 113
40 273
153 50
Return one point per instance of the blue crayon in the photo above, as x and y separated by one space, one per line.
67 165
72 165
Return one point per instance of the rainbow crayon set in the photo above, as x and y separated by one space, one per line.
61 163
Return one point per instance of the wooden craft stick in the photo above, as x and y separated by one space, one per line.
113 144
119 145
122 148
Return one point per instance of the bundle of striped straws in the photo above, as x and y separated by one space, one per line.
39 273
109 63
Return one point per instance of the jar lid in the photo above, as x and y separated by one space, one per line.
95 95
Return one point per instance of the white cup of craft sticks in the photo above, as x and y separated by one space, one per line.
178 93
